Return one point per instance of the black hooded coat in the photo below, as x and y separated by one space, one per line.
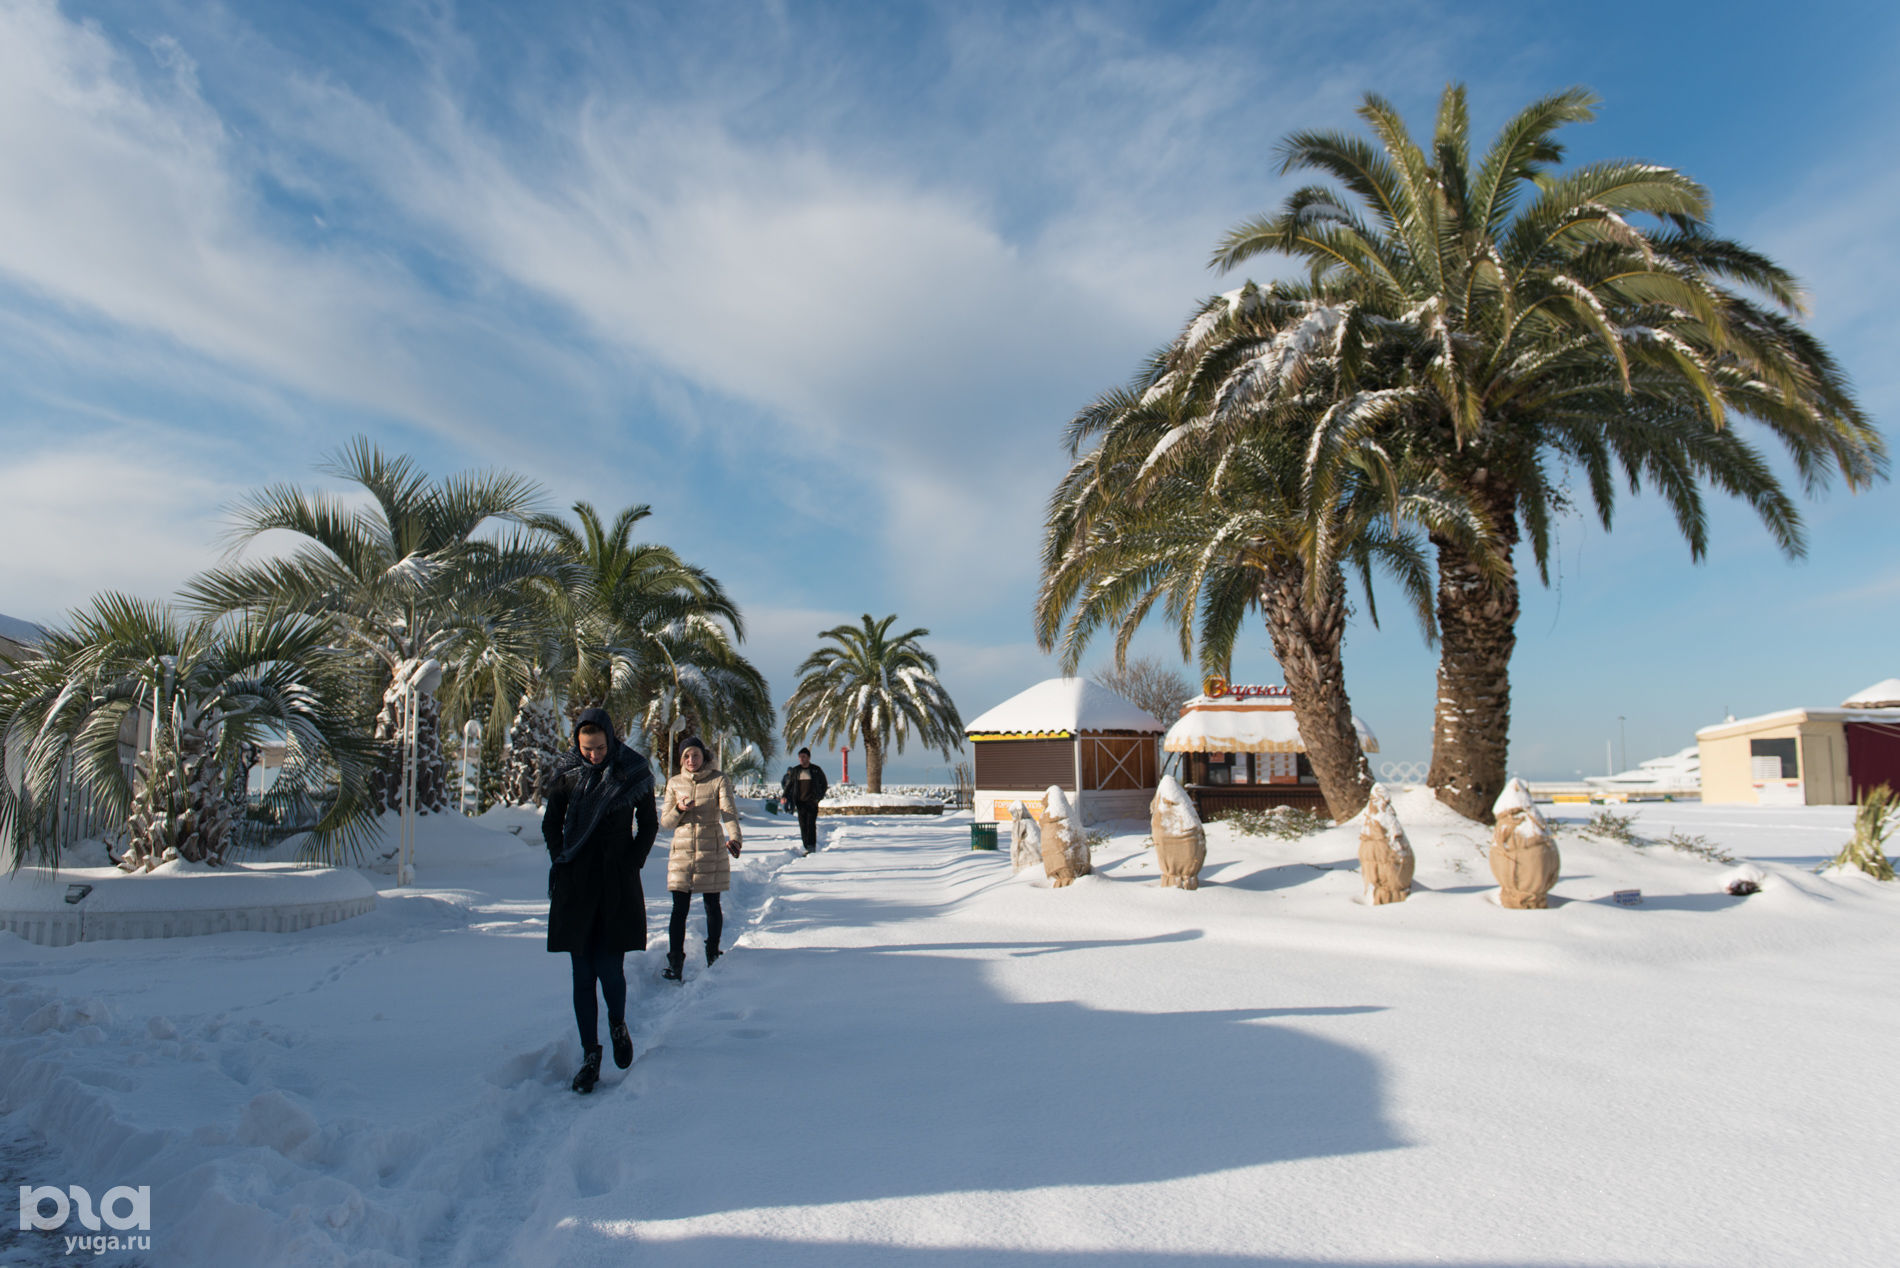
599 825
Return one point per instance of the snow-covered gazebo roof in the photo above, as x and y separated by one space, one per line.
1882 695
1226 725
1060 708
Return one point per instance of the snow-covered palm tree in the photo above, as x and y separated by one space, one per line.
1304 490
406 578
142 717
649 636
872 688
1560 329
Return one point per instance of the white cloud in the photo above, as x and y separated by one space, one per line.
115 511
1839 232
129 198
895 311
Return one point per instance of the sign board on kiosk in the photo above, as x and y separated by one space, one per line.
1216 688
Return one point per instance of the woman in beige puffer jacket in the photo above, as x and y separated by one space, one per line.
699 806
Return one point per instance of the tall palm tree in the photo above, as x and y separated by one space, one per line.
1213 498
143 717
404 579
649 636
1555 324
871 688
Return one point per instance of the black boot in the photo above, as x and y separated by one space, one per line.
589 1071
674 964
712 953
623 1044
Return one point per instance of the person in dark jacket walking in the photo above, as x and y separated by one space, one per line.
802 789
599 825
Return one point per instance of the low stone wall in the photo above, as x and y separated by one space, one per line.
263 899
61 930
859 811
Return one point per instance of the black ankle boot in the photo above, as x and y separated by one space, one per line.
623 1044
674 964
589 1071
713 953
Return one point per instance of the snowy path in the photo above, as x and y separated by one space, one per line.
913 1057
918 1058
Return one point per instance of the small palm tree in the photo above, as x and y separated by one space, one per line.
1874 819
1553 323
405 579
872 688
144 717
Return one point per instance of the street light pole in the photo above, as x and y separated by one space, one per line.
471 745
405 871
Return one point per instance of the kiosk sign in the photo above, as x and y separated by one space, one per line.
1215 687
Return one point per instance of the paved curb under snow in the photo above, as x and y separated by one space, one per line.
178 900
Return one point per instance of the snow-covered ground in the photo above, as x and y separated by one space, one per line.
913 1057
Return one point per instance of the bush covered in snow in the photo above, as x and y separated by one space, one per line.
1288 823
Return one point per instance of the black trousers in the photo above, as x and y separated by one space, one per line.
608 968
676 927
808 823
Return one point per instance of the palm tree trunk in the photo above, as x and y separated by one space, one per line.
873 756
1477 628
386 779
1306 642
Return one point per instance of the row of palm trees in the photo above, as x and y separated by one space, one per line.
149 715
1474 344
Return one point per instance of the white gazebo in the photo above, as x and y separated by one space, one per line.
1070 732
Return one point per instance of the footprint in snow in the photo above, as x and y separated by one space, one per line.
595 1173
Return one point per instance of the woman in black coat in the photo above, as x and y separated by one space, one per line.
599 825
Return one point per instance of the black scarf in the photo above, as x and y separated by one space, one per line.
622 777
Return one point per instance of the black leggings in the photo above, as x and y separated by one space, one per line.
598 964
676 928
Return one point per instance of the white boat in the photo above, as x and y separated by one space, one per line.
1677 773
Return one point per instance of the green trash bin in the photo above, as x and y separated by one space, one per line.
982 836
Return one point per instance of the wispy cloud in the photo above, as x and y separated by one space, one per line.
115 510
128 198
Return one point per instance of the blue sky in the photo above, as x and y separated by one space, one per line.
822 283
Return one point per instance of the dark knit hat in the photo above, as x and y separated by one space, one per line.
692 741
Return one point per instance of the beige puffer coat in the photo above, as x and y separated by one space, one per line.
697 862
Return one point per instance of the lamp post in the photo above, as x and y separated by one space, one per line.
471 744
419 678
406 839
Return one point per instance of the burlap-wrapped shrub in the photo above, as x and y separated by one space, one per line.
1524 858
1385 856
1065 852
1025 837
1179 839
